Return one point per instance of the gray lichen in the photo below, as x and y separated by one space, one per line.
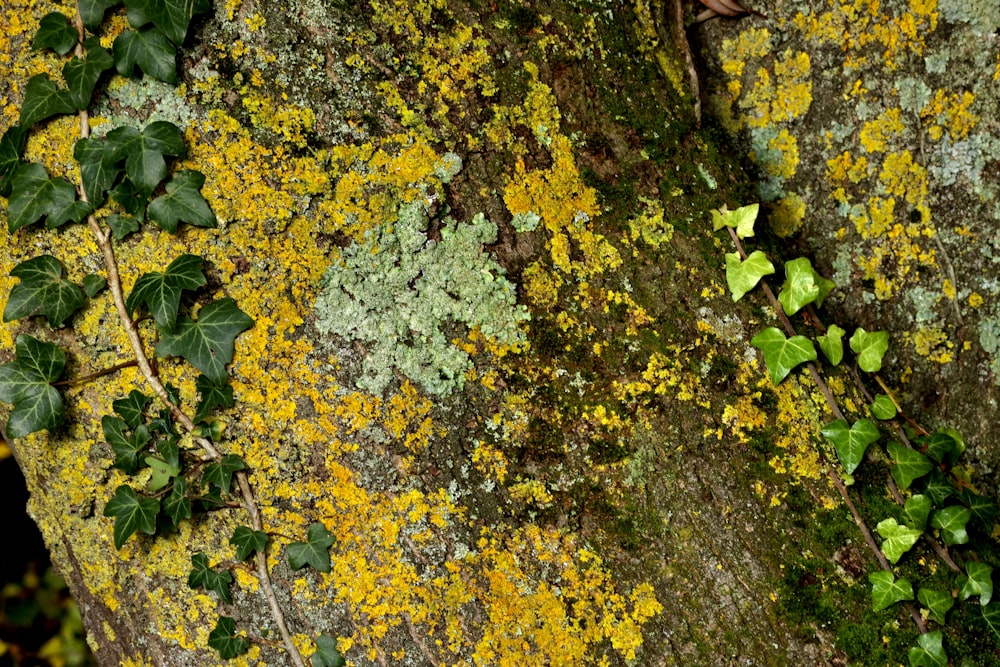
400 294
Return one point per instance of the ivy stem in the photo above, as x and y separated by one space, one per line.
152 380
83 379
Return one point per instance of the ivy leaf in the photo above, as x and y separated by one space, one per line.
983 509
132 409
55 32
951 522
991 617
744 276
909 464
26 382
883 408
131 514
161 292
314 551
163 472
208 342
127 447
11 150
929 651
870 348
92 11
43 99
143 152
42 291
938 488
169 451
202 576
177 505
247 542
98 167
783 354
326 654
149 50
170 16
831 344
182 203
82 74
937 603
742 219
93 284
978 582
220 473
851 441
224 640
942 447
122 225
802 286
887 590
213 395
897 540
916 510
131 198
35 196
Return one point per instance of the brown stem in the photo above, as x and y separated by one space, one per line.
152 380
83 379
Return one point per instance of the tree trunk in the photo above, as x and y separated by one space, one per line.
494 354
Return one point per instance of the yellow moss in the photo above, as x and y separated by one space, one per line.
787 216
877 134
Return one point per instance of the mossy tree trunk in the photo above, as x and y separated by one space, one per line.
493 350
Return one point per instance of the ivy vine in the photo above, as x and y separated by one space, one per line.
130 173
937 503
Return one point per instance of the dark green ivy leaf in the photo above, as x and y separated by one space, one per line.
160 293
326 654
247 542
82 74
26 382
177 506
951 522
149 50
11 149
43 99
97 168
93 284
122 225
132 409
92 11
170 16
128 447
942 447
978 580
938 488
208 342
983 509
991 617
909 464
202 576
224 640
55 32
130 198
314 551
35 196
42 291
131 514
169 451
851 441
220 473
182 203
213 395
143 152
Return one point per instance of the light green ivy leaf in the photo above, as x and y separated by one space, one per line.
929 651
783 354
916 510
802 286
897 540
742 219
851 441
937 603
744 276
870 348
887 590
883 408
831 344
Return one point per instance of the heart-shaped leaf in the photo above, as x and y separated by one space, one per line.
55 32
208 342
742 219
92 11
170 16
26 382
131 514
82 74
883 407
160 293
909 464
182 203
870 348
177 506
143 152
942 447
802 286
744 276
163 472
937 487
951 522
314 551
44 99
326 654
132 409
149 50
977 580
129 448
897 540
832 345
247 542
93 284
122 225
42 291
887 590
851 441
983 509
783 354
220 473
213 395
937 603
224 640
929 651
203 576
35 196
